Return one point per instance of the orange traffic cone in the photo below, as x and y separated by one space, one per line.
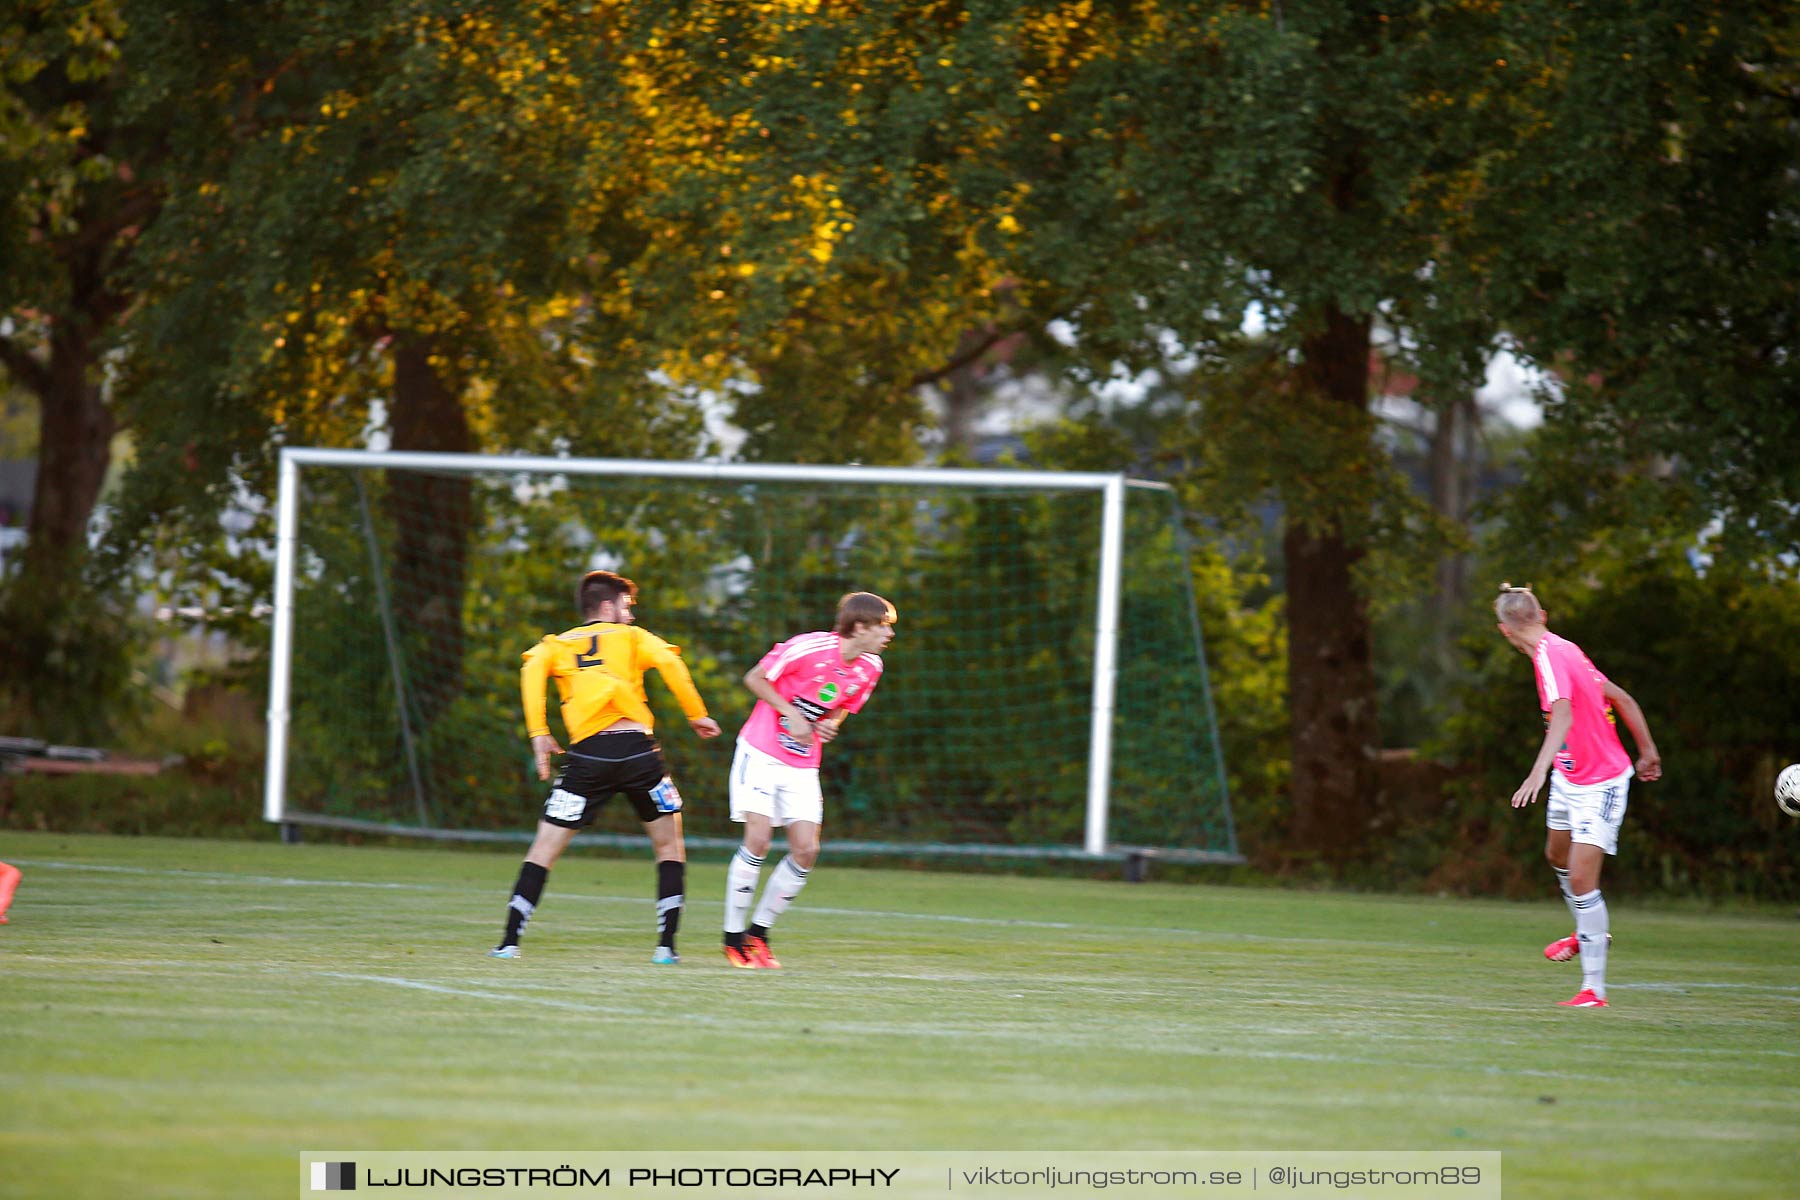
9 883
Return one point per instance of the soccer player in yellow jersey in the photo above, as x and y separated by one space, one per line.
599 671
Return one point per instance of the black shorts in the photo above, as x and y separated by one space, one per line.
603 765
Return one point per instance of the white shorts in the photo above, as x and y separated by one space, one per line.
763 784
1591 812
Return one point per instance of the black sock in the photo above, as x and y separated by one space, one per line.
758 931
670 878
734 939
524 900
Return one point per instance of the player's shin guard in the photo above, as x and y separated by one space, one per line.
9 883
1591 927
526 892
785 882
740 889
670 880
1562 882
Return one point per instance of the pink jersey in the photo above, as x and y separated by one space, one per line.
1591 753
809 670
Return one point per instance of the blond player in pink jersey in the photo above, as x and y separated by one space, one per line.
804 688
1592 776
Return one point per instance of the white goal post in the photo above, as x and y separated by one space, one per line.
295 561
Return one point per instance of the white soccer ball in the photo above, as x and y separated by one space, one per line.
1787 790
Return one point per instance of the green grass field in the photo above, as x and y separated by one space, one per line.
181 1018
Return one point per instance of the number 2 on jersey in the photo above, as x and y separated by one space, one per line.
592 657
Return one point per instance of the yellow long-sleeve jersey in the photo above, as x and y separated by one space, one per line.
599 671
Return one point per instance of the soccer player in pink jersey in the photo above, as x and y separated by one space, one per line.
1593 774
804 688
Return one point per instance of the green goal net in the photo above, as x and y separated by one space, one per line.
408 585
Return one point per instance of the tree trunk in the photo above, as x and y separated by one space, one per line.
61 675
962 393
1331 674
961 397
74 451
62 658
430 516
1452 478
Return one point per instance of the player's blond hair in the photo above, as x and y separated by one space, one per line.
863 608
1518 607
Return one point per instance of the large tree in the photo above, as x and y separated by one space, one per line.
422 198
813 256
1613 188
483 230
77 181
1653 224
380 224
75 202
1155 172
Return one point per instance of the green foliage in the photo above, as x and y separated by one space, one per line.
1654 256
185 802
73 201
1246 647
18 422
70 166
360 180
1238 612
73 665
1712 658
210 784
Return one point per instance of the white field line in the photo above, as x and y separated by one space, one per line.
485 994
220 876
1679 985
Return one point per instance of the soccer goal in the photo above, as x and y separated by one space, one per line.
1046 694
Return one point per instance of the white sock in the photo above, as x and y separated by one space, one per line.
740 888
1562 881
785 882
1591 926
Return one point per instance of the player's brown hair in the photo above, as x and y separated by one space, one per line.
599 587
863 608
1517 606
